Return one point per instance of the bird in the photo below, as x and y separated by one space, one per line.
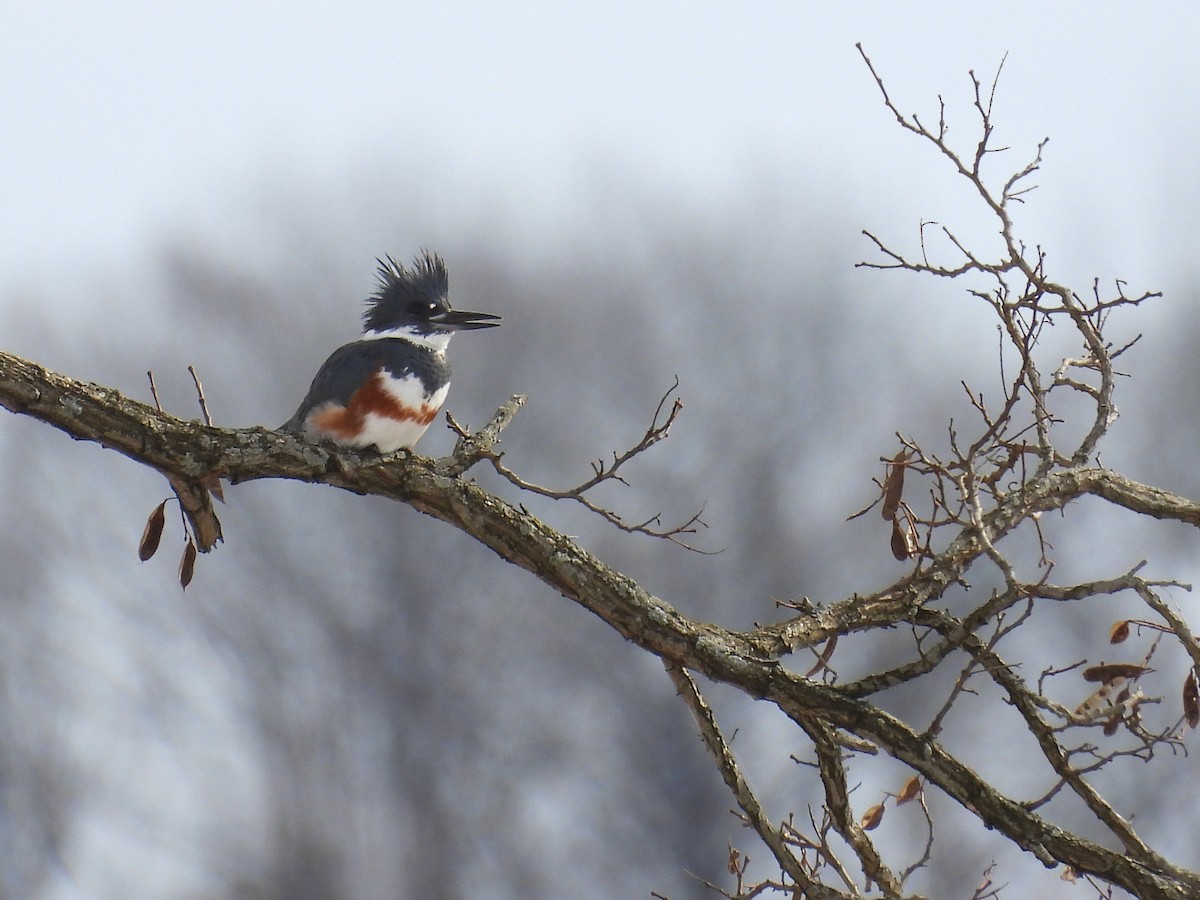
387 387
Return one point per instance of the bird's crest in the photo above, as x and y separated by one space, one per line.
401 288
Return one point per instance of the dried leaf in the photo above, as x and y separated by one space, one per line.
187 565
823 659
1191 700
872 817
152 533
893 485
910 791
1069 874
1111 726
1112 671
732 866
901 548
1119 632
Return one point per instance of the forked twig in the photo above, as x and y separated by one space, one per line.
659 429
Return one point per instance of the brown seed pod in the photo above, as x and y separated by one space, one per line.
1112 671
187 565
893 485
1191 700
152 533
901 537
872 817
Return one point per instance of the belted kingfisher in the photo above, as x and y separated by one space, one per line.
386 388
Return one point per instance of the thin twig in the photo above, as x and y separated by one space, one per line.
200 395
659 429
154 391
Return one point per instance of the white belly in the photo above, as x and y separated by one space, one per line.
388 434
391 434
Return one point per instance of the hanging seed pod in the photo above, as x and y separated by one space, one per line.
893 485
899 541
1112 671
187 565
1191 700
152 533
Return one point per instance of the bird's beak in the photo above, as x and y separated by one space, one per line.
461 320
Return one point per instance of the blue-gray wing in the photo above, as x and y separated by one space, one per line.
346 370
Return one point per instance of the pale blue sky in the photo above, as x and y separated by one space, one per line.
123 119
